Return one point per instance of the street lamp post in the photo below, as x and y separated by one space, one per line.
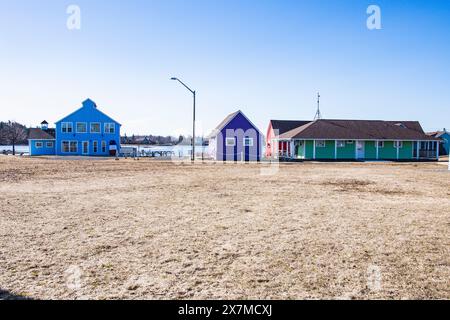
193 121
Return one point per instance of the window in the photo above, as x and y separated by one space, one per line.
103 146
65 146
340 143
248 142
95 127
49 144
110 128
95 146
350 141
38 145
380 144
320 144
67 127
398 144
69 146
230 142
81 127
73 146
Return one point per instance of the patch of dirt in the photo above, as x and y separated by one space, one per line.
106 229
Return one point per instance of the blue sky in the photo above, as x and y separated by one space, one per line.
266 57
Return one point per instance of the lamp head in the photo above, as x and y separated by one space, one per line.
173 78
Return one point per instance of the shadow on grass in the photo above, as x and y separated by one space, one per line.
6 295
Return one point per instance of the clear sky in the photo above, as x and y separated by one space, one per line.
266 57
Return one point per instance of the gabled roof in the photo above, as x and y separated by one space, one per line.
284 126
88 103
226 121
437 134
44 122
358 129
39 134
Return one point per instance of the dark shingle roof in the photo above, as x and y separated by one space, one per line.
284 126
39 134
437 134
359 129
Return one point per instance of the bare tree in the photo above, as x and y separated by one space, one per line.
12 133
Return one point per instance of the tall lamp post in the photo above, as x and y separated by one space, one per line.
193 121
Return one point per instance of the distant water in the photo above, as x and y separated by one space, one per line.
178 150
181 151
19 149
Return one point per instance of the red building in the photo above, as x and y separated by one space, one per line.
276 128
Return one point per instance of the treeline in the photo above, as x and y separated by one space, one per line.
151 140
159 140
13 133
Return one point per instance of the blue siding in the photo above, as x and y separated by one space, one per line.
89 116
446 142
47 147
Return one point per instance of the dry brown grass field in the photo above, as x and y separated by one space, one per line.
106 229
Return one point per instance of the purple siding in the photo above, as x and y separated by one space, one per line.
239 128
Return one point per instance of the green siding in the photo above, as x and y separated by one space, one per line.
327 152
407 151
388 152
370 150
347 152
309 149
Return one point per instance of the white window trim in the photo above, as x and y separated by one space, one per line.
99 127
321 143
104 146
39 144
228 142
95 146
66 125
76 127
398 144
251 144
49 144
342 142
82 147
70 142
108 126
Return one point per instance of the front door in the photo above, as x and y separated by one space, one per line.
360 149
300 149
85 148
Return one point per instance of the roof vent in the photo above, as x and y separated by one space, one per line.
401 125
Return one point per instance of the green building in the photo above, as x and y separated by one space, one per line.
356 140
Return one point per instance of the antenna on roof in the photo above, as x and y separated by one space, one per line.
318 115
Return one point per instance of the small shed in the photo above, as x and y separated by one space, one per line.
236 138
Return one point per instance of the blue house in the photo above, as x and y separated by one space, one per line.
236 138
41 141
444 135
85 132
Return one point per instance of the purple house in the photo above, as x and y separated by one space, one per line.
236 138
